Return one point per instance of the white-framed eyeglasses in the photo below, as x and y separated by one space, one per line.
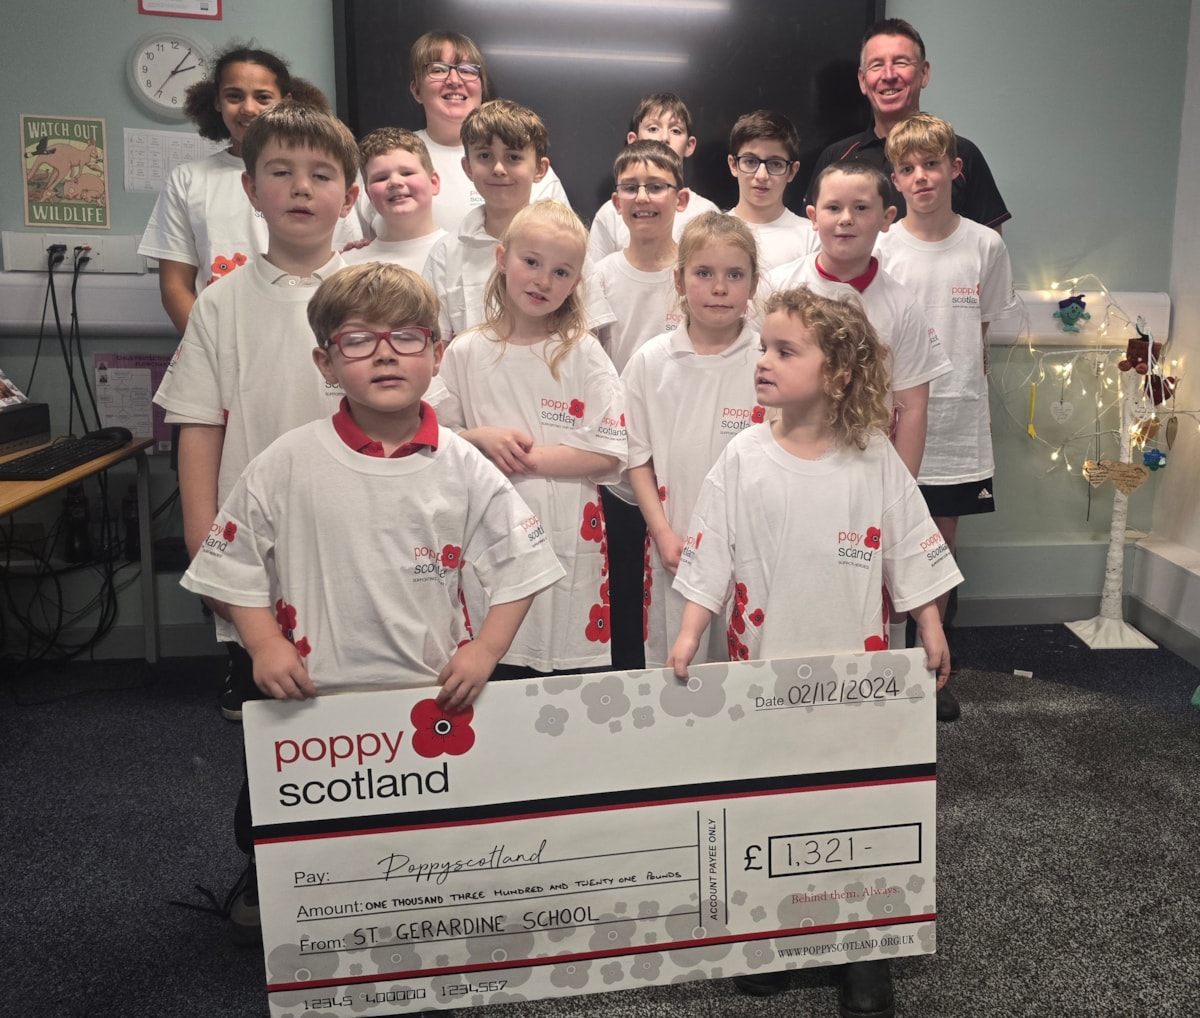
360 344
655 189
776 166
439 70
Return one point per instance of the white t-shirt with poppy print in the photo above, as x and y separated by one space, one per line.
892 308
681 411
496 384
245 363
792 554
962 281
783 239
360 556
645 304
203 218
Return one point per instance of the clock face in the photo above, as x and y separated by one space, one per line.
162 66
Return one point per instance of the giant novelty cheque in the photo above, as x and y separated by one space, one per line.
592 833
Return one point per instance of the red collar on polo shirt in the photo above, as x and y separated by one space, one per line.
354 436
860 283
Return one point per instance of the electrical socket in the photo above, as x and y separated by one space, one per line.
26 252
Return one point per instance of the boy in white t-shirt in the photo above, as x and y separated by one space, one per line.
961 273
505 147
337 552
764 157
401 185
241 375
664 117
639 286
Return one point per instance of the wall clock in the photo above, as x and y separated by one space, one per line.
161 67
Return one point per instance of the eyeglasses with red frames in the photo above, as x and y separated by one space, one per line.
359 344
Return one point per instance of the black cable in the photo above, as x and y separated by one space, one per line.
51 255
81 259
66 354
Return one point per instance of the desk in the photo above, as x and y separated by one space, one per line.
15 494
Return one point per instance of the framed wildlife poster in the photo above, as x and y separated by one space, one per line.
66 172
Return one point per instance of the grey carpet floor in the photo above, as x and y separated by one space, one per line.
1068 859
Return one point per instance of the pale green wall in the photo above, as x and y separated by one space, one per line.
67 57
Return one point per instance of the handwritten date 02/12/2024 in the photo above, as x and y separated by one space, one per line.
830 691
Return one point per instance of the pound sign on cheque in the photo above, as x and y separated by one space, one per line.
752 856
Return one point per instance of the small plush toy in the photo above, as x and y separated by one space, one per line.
1138 352
1154 459
1070 310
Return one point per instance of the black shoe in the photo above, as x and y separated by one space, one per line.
231 700
947 705
246 926
866 990
762 984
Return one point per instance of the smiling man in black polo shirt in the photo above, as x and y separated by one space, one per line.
892 71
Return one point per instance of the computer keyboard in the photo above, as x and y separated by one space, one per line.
63 455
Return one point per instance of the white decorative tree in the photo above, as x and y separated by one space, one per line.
1109 630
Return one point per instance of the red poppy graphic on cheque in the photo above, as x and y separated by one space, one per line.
452 556
872 538
576 408
437 732
230 531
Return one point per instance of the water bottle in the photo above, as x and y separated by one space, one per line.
78 540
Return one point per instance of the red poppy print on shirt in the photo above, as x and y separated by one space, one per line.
757 616
597 630
437 732
872 538
452 556
875 643
576 408
230 531
592 527
303 648
285 615
758 415
222 266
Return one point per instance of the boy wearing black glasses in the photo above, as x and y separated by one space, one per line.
639 285
338 551
764 157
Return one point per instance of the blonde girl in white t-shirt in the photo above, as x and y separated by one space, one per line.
533 390
687 393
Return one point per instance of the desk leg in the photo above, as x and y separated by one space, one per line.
146 544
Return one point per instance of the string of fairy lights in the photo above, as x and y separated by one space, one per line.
1085 382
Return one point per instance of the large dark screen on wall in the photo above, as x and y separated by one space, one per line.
583 66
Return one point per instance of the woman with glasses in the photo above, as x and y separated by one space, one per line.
449 80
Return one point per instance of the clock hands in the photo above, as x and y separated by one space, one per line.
179 69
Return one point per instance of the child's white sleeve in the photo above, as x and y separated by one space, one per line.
191 387
434 274
997 298
232 562
602 427
450 410
602 237
505 541
169 234
637 423
706 565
